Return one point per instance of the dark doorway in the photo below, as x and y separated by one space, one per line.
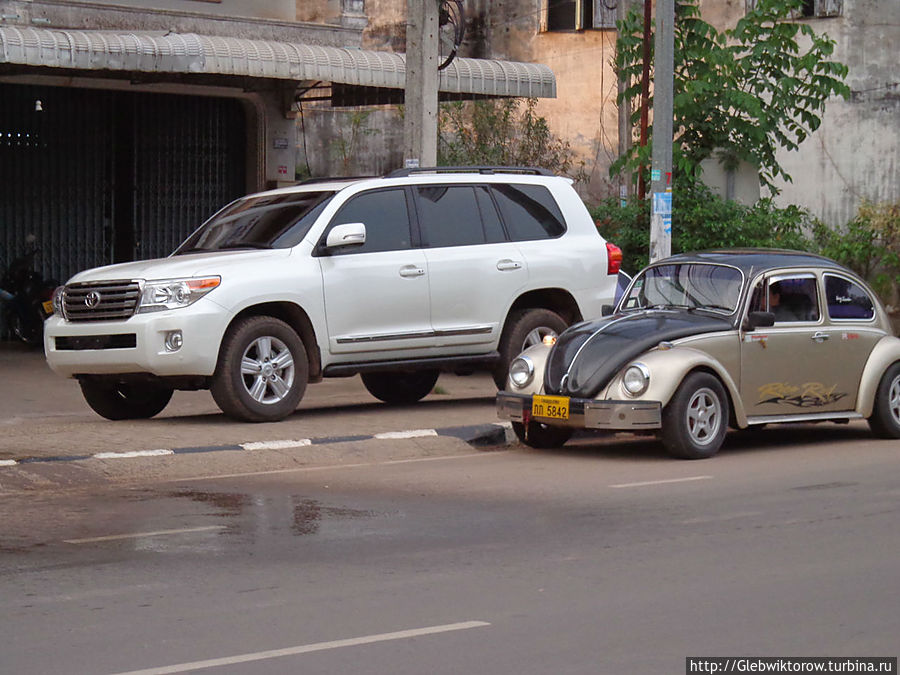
105 176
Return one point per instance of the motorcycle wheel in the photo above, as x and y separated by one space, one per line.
29 331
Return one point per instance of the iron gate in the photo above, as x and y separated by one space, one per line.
104 176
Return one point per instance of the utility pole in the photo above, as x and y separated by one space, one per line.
421 95
624 114
661 168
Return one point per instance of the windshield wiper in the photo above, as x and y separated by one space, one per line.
196 249
668 306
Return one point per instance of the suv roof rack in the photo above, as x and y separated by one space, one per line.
329 179
486 170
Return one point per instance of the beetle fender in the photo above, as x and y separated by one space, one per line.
668 368
886 352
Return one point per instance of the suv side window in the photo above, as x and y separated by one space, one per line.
449 215
386 217
529 211
847 299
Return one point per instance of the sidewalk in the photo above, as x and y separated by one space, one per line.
44 416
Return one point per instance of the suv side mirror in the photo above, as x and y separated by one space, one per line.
607 310
760 320
349 234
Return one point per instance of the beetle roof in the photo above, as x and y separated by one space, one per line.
754 260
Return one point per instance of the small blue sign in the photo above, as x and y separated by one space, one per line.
667 223
655 174
662 203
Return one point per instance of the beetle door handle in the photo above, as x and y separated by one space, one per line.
411 271
507 264
819 337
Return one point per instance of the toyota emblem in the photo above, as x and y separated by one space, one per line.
92 299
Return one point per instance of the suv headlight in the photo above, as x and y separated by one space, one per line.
521 370
636 379
57 298
175 293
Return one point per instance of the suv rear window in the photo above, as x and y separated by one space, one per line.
457 215
529 211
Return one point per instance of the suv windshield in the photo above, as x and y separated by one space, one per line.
687 286
266 221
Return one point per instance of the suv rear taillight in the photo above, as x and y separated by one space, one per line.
613 258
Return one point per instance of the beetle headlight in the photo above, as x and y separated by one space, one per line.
175 293
521 370
636 379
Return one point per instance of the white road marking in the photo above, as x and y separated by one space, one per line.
414 433
132 453
277 445
661 482
7 462
140 535
305 649
359 465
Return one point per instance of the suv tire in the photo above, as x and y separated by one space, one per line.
400 388
525 329
262 370
125 401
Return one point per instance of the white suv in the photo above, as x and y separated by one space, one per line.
396 278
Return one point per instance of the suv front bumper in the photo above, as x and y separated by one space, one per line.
586 413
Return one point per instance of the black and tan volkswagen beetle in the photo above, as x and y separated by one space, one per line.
703 341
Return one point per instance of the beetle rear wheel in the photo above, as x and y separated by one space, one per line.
885 419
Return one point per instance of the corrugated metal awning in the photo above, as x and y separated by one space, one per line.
190 53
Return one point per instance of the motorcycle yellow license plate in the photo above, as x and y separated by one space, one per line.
552 407
48 307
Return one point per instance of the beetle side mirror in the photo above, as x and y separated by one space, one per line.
760 320
607 310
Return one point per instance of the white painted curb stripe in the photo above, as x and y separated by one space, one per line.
133 453
415 433
305 649
7 462
277 445
140 535
661 482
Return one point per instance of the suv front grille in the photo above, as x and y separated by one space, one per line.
100 300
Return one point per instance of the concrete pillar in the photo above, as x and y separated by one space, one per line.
661 168
421 96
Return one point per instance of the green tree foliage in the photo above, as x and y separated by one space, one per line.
502 132
746 91
704 221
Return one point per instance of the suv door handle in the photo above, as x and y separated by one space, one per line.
819 337
411 271
507 264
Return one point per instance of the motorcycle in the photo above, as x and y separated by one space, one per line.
26 299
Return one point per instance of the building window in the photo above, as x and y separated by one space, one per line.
810 9
568 15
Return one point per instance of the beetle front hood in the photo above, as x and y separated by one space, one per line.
587 355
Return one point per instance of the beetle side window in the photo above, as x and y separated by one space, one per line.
793 299
529 211
386 217
847 299
449 215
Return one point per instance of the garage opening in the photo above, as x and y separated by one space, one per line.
106 176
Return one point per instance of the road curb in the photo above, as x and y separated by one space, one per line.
479 436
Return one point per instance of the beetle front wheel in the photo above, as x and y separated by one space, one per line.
696 419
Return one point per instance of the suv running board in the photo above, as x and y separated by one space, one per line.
444 363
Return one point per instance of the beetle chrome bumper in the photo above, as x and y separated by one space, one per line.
586 413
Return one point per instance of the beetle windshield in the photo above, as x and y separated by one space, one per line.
265 221
685 286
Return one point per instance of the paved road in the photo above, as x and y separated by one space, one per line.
599 558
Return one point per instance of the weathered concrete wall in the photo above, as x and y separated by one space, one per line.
855 154
283 10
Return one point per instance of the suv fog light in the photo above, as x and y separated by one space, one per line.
521 370
636 379
174 340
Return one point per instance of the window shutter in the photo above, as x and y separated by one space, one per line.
545 10
605 13
829 7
